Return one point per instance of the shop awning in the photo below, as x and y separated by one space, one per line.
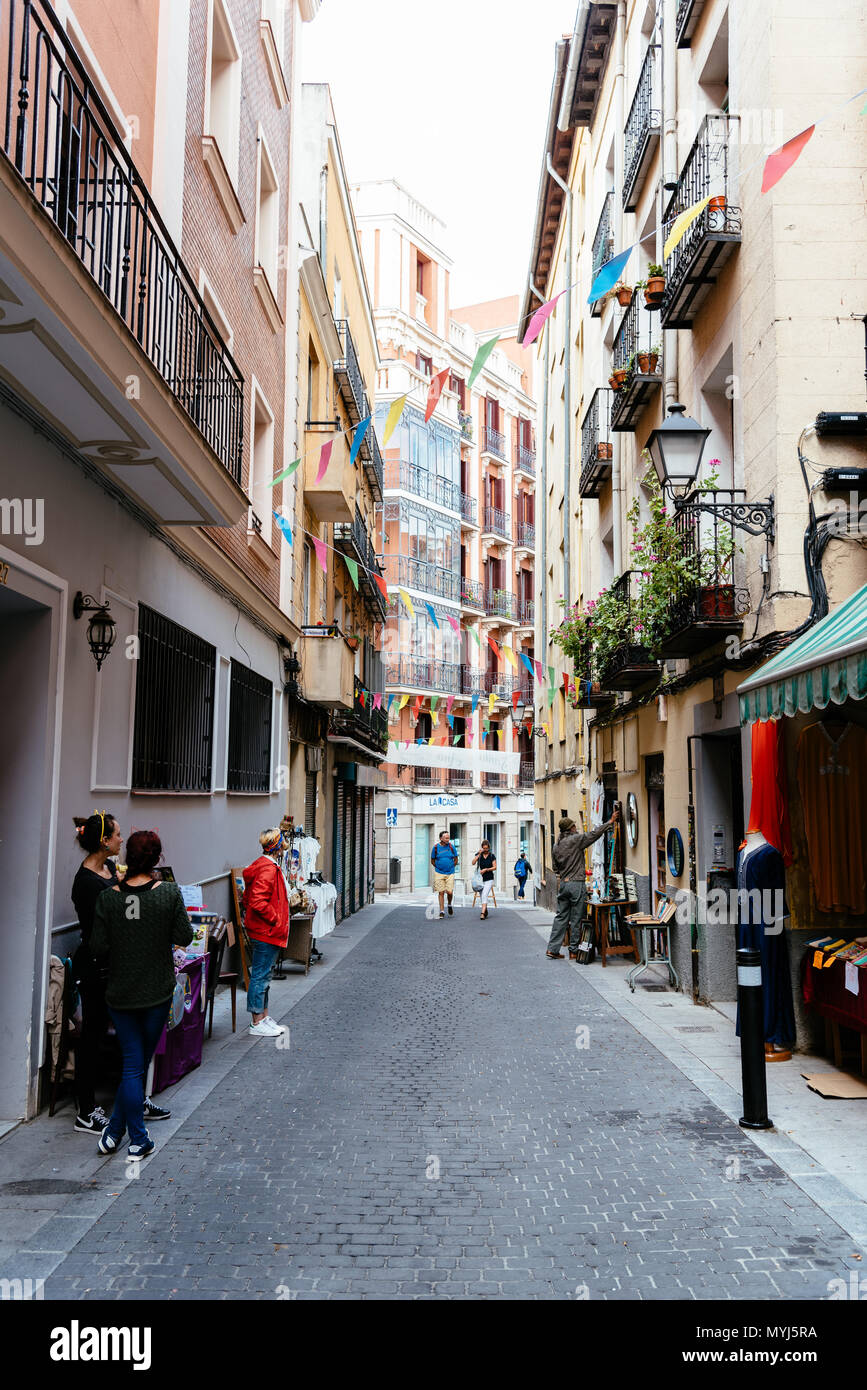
827 665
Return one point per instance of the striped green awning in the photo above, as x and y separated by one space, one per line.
827 665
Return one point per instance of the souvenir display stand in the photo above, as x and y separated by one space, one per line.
179 1049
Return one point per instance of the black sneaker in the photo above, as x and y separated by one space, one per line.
155 1112
107 1145
136 1152
451 910
94 1123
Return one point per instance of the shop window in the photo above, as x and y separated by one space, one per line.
174 707
250 706
223 87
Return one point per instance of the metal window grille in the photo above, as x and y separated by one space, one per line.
174 707
310 804
250 706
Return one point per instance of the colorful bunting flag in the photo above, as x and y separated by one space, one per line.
408 602
285 474
390 698
492 700
362 695
404 700
608 275
377 700
496 803
552 676
449 702
474 702
352 566
510 656
358 438
284 527
494 647
456 740
475 636
537 322
324 460
540 671
321 552
481 358
451 719
527 662
380 584
434 701
780 161
434 391
433 616
454 622
419 700
515 695
681 225
394 414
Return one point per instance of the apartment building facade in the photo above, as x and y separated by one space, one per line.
145 363
458 539
337 725
754 330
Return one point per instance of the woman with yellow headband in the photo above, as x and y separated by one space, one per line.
265 905
100 836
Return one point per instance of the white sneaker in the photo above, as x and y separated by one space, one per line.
261 1030
274 1027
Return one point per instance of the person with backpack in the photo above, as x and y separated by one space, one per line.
523 869
444 858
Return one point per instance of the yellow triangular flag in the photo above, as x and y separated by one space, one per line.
408 601
681 225
510 656
394 414
403 701
492 700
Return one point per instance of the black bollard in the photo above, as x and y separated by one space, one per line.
752 1021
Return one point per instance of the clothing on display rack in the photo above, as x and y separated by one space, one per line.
597 852
832 776
324 895
761 907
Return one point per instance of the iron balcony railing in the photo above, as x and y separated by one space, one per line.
634 335
423 673
695 262
596 448
472 594
501 603
371 724
526 611
686 20
476 682
527 774
495 442
373 460
495 779
642 128
459 777
525 535
636 353
603 244
64 145
525 459
705 602
353 536
427 776
633 660
421 575
469 509
496 522
348 373
465 421
421 483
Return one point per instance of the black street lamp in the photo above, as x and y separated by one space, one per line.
676 447
101 630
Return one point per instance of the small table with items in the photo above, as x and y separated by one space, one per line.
826 994
299 947
179 1049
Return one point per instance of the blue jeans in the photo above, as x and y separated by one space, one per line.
138 1032
264 956
522 883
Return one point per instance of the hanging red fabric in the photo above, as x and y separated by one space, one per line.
769 804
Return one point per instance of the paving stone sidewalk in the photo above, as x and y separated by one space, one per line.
434 1131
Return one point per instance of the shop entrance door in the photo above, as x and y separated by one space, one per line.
423 846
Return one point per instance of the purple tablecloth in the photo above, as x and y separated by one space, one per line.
180 1050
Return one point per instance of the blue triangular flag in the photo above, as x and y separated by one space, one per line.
608 275
358 438
527 662
475 702
496 803
433 616
284 526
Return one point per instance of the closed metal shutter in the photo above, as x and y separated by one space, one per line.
337 849
346 841
359 884
310 805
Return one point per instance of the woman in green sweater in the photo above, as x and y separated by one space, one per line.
136 926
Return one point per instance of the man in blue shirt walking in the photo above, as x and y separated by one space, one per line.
444 858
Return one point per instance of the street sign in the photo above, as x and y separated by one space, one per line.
391 815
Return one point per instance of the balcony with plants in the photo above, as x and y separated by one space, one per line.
641 136
636 373
465 421
596 447
710 241
603 245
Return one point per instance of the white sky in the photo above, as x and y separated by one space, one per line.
450 97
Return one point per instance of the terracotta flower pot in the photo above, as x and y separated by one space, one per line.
716 213
603 451
652 360
717 601
643 362
624 297
617 378
615 382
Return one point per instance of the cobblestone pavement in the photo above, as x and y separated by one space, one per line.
433 1131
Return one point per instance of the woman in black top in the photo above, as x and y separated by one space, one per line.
100 835
487 864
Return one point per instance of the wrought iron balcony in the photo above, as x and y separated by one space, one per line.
525 535
65 147
469 510
423 674
603 244
635 354
632 663
641 135
596 446
421 575
686 21
421 483
476 682
525 460
362 721
501 603
526 612
495 443
372 459
353 539
465 420
527 775
590 695
472 594
695 263
706 604
348 376
495 780
496 523
427 776
460 777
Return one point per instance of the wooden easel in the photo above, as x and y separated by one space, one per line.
236 879
477 894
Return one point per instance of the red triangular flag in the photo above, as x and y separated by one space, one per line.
380 584
494 648
780 161
434 391
515 694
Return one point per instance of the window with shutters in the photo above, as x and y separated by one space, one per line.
174 707
250 707
310 805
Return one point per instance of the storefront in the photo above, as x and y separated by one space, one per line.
353 836
807 830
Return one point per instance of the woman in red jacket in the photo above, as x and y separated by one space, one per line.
265 905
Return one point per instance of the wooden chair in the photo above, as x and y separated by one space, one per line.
217 938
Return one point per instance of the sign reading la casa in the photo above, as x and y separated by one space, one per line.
441 801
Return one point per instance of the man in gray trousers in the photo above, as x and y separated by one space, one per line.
568 861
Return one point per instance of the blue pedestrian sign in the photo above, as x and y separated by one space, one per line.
391 815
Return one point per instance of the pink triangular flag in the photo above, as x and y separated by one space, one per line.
454 622
321 552
537 322
781 161
449 702
377 700
434 391
324 460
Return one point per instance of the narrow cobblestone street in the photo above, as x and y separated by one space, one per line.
433 1131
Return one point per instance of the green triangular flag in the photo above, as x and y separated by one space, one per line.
481 357
473 633
352 566
434 701
285 473
551 693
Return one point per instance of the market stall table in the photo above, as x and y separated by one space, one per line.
826 994
179 1049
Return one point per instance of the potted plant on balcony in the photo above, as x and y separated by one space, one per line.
716 597
617 378
352 640
647 360
604 449
624 295
655 286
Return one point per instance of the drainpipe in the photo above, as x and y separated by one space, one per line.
542 493
323 220
567 397
668 78
619 171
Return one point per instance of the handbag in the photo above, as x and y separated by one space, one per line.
477 881
182 993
